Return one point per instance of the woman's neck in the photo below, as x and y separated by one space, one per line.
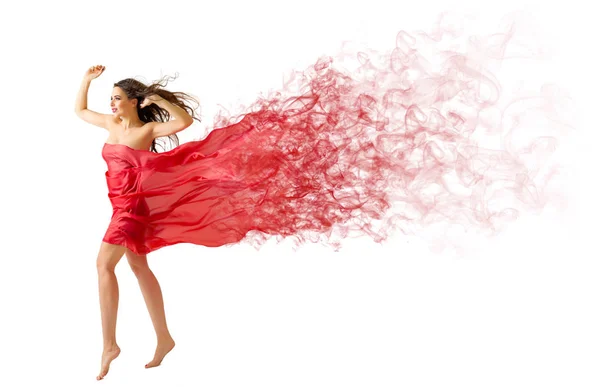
130 123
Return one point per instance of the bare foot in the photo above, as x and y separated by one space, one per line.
162 349
107 356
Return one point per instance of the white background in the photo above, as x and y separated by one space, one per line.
522 312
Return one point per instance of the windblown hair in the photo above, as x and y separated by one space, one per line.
136 89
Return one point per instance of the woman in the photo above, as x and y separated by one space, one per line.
130 100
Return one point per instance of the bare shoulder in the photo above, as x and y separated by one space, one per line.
95 118
140 137
147 131
111 123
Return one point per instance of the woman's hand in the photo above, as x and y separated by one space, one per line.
94 72
154 98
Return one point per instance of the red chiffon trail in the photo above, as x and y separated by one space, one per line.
399 146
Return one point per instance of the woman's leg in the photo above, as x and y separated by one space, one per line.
108 257
154 302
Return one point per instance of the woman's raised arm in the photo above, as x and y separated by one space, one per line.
81 109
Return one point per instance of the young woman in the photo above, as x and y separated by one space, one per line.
137 109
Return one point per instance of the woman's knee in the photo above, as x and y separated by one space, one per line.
138 263
108 257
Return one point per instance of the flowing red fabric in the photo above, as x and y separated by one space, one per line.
396 146
253 175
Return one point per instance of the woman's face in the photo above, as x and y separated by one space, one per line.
119 103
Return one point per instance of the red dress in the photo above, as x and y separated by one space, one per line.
190 194
342 156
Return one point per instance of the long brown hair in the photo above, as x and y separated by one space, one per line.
137 89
